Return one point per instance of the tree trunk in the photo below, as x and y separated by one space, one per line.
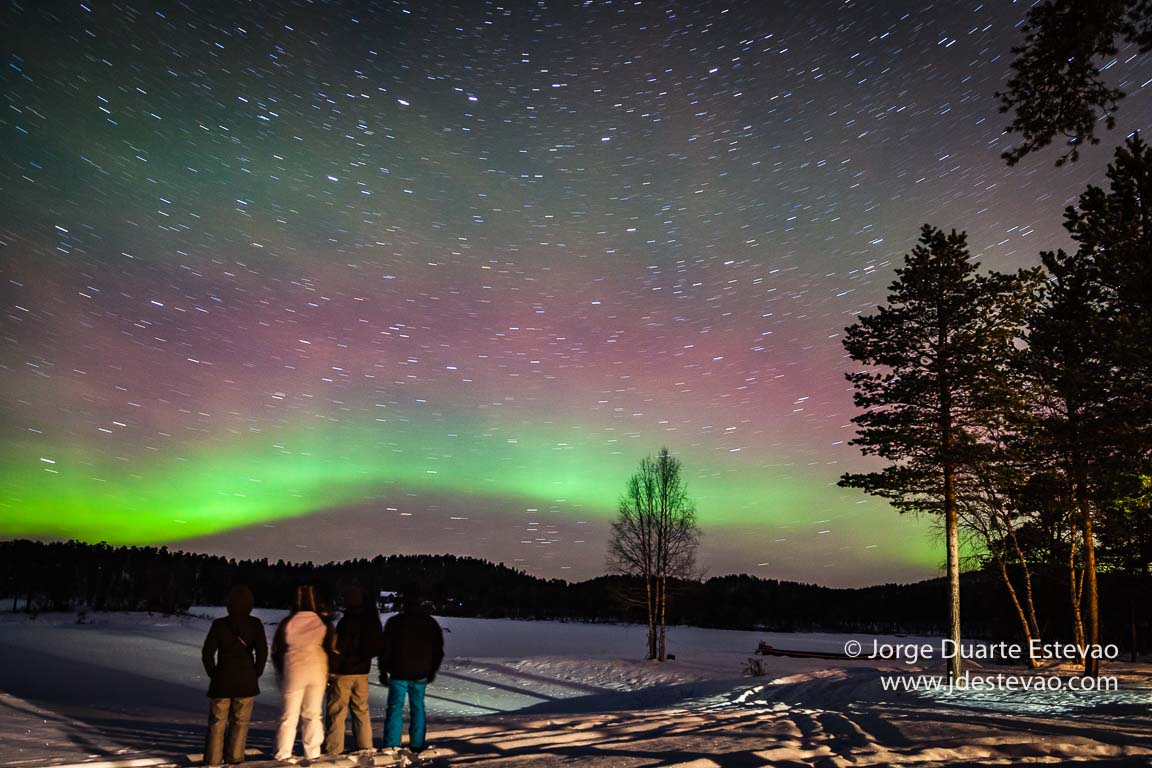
1033 663
1092 660
1089 639
1027 573
951 519
1075 588
651 605
663 654
952 529
1025 612
1132 615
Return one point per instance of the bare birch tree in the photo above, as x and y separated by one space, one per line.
655 537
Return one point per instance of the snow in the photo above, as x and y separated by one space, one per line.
129 687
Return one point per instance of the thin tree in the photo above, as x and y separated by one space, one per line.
936 362
994 491
988 510
1057 87
655 537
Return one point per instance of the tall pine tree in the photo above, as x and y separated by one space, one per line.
1067 358
937 361
1113 228
1090 350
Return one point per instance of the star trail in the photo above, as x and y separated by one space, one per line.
320 280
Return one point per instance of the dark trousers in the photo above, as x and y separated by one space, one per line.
227 721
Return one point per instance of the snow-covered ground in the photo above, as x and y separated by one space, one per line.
129 688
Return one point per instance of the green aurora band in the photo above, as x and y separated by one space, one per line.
148 500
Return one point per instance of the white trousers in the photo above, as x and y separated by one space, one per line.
304 700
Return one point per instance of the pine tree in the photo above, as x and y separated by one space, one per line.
936 362
1056 87
1113 228
1067 356
1090 349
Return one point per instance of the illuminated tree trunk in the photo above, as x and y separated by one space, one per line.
1075 588
1026 611
1032 623
953 536
1092 660
1025 624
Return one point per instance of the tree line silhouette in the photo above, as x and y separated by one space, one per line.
59 576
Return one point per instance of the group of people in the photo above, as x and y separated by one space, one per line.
314 661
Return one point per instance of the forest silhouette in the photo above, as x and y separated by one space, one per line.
76 576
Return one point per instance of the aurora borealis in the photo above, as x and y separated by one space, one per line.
319 280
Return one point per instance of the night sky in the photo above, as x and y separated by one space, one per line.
324 280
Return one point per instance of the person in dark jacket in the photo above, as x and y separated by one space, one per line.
359 637
413 647
234 656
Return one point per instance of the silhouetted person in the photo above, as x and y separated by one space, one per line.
409 659
359 637
299 652
234 654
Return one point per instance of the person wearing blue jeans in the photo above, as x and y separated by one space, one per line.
394 719
412 650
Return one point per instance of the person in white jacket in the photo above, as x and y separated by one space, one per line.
300 655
